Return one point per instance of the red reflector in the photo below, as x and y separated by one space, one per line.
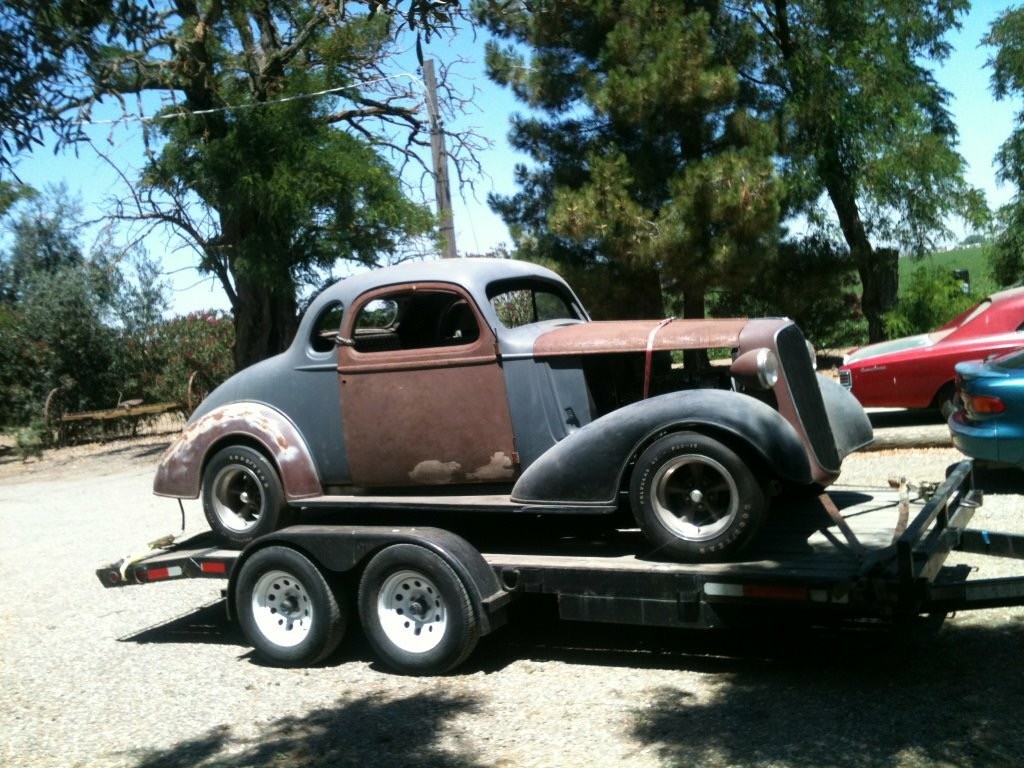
155 574
985 404
213 567
775 593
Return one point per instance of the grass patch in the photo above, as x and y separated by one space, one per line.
975 260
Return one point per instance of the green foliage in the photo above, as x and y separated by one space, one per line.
1007 38
649 149
53 302
931 298
270 185
31 440
976 260
190 355
820 292
44 45
81 333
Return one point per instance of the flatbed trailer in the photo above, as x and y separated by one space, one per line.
425 595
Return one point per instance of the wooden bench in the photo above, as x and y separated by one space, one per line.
73 427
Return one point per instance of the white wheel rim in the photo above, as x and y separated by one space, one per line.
282 609
694 497
411 612
237 498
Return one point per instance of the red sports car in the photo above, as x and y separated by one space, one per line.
918 371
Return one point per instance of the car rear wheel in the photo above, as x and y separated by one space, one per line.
946 400
695 499
242 496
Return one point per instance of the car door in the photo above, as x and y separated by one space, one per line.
422 392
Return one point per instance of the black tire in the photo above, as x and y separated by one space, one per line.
946 400
286 608
695 499
242 496
416 612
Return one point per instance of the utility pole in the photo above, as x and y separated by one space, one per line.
442 191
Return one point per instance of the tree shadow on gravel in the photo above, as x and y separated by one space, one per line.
365 731
952 701
809 697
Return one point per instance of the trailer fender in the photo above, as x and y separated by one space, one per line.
590 465
346 549
179 472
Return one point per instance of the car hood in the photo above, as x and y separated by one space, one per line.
609 336
887 348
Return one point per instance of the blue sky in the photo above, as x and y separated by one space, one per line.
983 124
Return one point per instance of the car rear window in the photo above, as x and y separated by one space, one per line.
1011 362
521 302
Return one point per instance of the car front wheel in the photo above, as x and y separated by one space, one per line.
695 499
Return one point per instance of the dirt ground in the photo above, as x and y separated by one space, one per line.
156 676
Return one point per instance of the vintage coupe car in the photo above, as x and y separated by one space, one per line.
917 371
989 424
482 385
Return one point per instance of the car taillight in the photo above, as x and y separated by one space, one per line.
986 405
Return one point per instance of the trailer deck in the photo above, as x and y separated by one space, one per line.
847 555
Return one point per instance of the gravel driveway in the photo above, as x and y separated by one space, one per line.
155 676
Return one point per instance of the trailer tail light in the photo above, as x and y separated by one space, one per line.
715 589
160 574
213 567
982 405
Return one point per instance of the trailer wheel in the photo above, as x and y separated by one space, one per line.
695 499
416 611
286 608
242 495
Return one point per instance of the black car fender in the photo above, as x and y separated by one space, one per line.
590 465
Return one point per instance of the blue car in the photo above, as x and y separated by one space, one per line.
989 422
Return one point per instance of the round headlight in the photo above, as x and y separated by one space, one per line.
767 368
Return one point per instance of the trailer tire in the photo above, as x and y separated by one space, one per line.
242 496
416 611
287 610
695 499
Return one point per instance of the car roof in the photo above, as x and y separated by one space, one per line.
473 273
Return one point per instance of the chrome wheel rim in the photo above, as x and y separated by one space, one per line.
238 498
694 497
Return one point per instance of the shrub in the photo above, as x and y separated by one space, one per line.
811 281
930 298
191 355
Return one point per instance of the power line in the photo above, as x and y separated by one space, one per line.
217 110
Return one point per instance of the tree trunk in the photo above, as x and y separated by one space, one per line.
265 321
695 307
878 281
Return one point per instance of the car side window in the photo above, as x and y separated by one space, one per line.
324 335
415 320
521 305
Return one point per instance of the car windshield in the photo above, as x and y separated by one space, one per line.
1011 362
521 302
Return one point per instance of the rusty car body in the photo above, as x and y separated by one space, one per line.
483 385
